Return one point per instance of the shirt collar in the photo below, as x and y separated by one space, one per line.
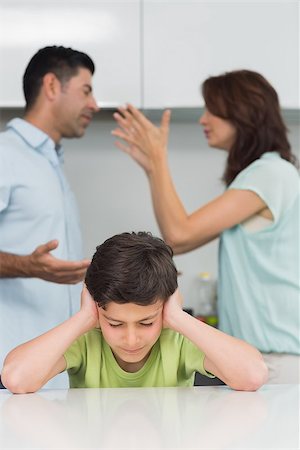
271 155
37 139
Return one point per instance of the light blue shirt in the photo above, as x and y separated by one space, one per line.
36 206
259 294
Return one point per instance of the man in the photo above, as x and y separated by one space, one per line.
40 241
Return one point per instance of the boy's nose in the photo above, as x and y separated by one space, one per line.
132 340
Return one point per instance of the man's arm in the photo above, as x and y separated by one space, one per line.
42 264
30 365
234 361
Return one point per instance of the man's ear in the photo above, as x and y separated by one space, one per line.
51 86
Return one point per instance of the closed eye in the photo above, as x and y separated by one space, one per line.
113 325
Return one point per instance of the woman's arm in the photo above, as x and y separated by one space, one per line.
235 362
30 365
147 144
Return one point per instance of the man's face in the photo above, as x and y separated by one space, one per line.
131 331
75 105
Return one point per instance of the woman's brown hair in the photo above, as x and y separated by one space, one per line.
251 104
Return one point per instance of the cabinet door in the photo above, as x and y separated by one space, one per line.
187 41
108 31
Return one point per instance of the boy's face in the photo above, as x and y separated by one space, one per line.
131 331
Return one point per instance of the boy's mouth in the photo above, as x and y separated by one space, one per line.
132 351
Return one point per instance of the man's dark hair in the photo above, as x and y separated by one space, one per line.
132 268
63 62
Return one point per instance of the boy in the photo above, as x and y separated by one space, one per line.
131 330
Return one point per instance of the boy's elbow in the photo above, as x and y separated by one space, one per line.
260 377
255 378
10 381
15 383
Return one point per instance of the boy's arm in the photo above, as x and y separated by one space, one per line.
29 366
235 362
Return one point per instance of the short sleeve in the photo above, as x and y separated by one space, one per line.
73 356
276 182
193 359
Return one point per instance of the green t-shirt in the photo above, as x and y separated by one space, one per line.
173 361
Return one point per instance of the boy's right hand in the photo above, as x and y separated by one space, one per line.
89 308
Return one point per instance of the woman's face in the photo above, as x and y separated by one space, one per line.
220 133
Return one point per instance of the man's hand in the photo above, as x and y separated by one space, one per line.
172 310
41 264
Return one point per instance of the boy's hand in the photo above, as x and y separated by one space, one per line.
89 308
172 310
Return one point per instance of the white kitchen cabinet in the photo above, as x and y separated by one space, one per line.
187 41
109 31
155 53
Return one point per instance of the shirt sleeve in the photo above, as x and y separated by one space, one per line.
193 359
274 182
73 356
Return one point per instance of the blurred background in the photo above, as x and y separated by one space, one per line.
154 54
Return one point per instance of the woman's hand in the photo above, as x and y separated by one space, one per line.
89 308
172 310
146 143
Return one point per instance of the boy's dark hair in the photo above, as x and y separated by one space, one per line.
63 62
132 268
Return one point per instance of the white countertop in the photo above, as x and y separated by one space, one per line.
151 418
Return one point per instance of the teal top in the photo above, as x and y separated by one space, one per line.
173 361
258 289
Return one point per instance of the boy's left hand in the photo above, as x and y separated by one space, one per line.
89 308
172 308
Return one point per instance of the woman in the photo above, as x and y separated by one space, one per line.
256 218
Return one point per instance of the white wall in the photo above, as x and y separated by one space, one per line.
113 193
